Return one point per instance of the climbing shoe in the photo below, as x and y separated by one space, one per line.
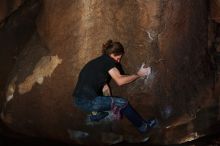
97 116
148 125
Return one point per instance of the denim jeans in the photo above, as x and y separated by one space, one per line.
104 103
100 103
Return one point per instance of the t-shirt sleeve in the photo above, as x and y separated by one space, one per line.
109 64
120 68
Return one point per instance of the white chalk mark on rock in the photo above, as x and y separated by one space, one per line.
149 35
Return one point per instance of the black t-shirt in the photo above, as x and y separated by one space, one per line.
93 77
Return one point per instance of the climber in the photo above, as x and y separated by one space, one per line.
92 93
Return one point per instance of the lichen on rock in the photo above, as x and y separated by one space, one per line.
44 68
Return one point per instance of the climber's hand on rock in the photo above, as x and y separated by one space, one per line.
148 72
143 71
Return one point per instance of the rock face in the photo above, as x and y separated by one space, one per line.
214 10
15 32
8 6
170 35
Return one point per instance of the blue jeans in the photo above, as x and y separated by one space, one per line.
104 103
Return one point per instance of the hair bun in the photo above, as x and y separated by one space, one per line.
108 44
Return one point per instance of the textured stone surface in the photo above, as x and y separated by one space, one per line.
15 32
170 35
8 6
215 10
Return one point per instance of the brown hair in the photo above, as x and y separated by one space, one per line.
111 47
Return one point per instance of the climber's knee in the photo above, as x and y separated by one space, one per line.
120 102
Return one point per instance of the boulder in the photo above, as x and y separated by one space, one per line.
8 6
215 10
170 36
